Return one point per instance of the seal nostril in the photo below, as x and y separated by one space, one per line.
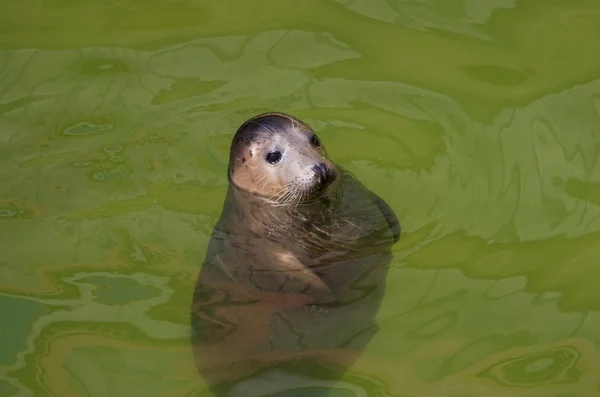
321 172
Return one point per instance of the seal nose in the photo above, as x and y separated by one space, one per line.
321 172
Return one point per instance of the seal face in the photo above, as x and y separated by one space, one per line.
280 157
296 265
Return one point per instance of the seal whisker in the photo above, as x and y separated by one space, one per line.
301 197
292 197
282 197
283 194
263 177
295 198
293 120
289 197
266 127
286 190
281 191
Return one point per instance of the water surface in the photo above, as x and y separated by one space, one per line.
477 121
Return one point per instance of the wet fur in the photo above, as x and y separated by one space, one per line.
289 286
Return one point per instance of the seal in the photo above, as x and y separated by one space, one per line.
295 268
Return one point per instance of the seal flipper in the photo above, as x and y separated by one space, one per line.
299 278
285 273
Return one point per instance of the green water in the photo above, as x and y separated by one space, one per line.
476 120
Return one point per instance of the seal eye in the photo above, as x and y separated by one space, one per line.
315 141
273 157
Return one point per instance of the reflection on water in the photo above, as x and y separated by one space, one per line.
465 17
477 122
553 366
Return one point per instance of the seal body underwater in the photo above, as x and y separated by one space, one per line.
295 269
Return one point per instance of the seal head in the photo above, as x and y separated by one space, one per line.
279 157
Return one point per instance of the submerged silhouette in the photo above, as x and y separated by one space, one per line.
289 289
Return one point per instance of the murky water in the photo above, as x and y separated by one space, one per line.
477 121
